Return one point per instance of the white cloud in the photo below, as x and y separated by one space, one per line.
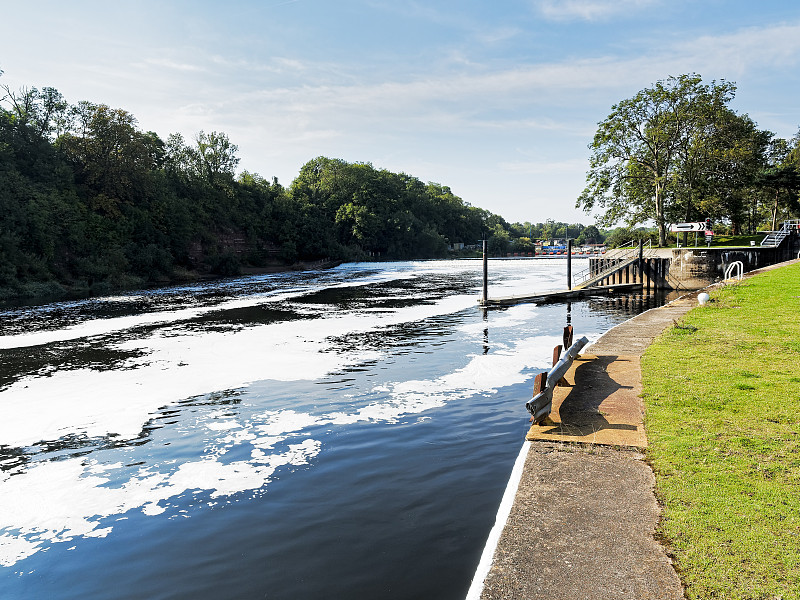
576 167
751 48
165 63
588 10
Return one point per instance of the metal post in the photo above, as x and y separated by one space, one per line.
485 297
641 261
569 264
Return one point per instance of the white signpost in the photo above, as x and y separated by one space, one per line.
681 227
696 227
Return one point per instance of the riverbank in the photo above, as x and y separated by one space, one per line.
723 419
584 520
44 292
583 516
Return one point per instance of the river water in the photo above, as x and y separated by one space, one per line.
326 434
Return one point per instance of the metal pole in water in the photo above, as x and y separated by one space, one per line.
569 264
641 261
485 272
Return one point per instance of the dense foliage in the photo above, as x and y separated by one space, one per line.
89 202
676 152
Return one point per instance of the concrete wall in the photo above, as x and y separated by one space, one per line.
695 268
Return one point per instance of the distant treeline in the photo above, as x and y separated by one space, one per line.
90 203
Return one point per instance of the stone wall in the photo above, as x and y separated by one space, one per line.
696 268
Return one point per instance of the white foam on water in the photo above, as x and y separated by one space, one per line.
97 327
44 503
484 374
514 316
58 501
178 364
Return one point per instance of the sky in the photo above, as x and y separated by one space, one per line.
497 100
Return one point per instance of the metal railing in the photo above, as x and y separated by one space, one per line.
624 255
775 238
739 266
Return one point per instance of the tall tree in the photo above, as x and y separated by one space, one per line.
638 148
781 179
215 156
734 152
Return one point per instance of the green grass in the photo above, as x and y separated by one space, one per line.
735 240
723 421
727 241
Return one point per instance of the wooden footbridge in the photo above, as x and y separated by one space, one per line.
609 276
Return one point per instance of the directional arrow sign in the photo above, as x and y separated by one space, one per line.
679 227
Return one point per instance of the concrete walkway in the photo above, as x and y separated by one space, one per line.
580 523
583 519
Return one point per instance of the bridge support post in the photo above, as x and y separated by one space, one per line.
569 264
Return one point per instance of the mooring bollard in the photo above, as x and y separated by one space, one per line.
556 355
568 336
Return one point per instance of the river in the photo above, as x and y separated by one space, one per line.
323 434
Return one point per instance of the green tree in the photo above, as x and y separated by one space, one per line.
718 170
215 156
590 235
523 244
642 145
498 241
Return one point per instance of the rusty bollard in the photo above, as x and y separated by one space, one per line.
567 336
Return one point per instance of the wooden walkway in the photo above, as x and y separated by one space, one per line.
562 295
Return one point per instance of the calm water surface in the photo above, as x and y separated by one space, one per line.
333 434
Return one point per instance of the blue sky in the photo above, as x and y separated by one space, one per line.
498 100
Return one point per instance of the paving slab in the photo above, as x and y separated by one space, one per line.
598 403
581 528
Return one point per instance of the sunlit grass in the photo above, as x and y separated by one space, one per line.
723 422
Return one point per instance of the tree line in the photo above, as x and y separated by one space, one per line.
89 202
677 152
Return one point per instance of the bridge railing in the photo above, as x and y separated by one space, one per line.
623 255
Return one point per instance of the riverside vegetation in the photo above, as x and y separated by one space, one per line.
90 203
722 397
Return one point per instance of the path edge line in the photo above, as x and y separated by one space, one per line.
504 510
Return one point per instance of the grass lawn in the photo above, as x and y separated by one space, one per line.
722 397
736 240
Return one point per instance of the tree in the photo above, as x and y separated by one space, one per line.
781 178
784 181
736 152
590 235
640 147
111 156
498 241
215 156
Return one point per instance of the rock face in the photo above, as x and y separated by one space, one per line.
232 250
